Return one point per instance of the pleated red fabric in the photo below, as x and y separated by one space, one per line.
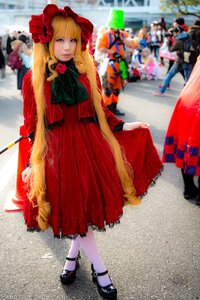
82 183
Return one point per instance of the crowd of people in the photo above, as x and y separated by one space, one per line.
85 163
158 45
185 45
123 56
16 53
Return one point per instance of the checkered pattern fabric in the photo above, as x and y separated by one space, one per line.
184 156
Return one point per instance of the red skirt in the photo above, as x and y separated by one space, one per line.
83 186
182 141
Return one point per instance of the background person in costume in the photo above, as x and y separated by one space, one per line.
148 69
113 43
182 141
78 178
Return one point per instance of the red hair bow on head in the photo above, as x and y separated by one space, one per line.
42 30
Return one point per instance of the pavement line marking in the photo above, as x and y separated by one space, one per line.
8 170
48 255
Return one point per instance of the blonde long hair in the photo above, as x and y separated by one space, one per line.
65 26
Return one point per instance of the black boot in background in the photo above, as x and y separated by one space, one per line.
190 189
198 195
117 112
111 107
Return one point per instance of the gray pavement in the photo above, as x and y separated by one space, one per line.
154 254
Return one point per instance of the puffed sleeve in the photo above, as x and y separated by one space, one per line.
29 105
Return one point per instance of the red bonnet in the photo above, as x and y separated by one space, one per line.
42 30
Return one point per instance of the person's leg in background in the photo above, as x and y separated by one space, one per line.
156 52
107 98
108 88
172 72
171 62
112 89
161 61
117 112
190 189
153 51
187 70
198 194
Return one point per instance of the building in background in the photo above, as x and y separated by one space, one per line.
137 12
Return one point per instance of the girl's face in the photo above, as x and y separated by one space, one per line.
64 48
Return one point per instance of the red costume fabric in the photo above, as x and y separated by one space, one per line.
182 141
82 184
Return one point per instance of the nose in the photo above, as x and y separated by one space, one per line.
66 45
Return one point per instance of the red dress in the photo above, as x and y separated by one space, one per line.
182 141
83 186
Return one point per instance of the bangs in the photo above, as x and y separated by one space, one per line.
65 27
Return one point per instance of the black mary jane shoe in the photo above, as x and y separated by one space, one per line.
68 277
108 291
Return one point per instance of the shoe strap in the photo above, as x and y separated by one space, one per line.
71 259
95 274
74 258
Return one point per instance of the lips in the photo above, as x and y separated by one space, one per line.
65 57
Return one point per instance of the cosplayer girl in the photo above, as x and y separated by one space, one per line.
79 178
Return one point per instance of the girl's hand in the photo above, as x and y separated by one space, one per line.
26 175
134 125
